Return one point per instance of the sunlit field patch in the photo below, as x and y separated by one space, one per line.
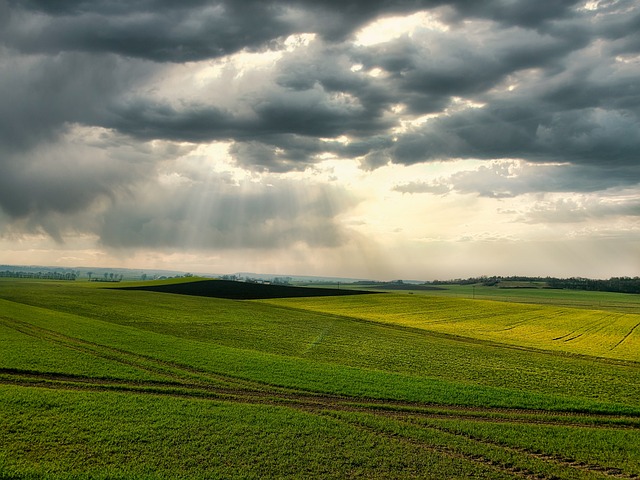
573 330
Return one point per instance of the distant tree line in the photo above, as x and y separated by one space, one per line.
613 284
106 277
274 280
39 275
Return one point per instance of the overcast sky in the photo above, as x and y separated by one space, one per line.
372 139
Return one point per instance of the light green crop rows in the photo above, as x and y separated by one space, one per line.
582 331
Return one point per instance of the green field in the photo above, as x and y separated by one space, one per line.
98 382
591 330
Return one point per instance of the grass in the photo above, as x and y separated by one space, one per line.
129 436
617 302
596 332
104 383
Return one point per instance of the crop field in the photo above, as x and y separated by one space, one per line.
591 331
102 382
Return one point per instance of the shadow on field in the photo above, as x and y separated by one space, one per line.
244 291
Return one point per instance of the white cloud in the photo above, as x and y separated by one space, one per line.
391 28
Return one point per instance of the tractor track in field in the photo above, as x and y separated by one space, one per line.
325 405
613 472
172 370
182 381
310 401
450 452
593 326
501 466
489 417
196 380
626 336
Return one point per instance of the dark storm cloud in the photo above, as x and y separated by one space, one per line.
42 95
522 13
589 136
68 67
159 31
65 188
439 65
57 187
278 153
574 102
43 99
194 30
309 113
181 31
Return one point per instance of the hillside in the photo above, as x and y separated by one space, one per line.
101 382
243 290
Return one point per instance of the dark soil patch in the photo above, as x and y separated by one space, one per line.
245 291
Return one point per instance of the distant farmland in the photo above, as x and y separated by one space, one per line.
99 382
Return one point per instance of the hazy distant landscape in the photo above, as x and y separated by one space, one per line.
466 381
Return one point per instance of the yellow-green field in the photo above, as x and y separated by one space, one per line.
103 383
587 331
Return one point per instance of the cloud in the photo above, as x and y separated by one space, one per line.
512 178
590 136
580 210
435 188
216 215
316 92
132 197
186 31
193 30
277 153
437 65
151 30
99 98
42 95
521 13
73 177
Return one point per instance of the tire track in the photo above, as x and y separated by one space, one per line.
319 405
188 382
590 327
167 369
593 468
308 400
588 421
190 377
93 349
507 467
474 458
626 336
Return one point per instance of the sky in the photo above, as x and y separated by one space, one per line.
366 139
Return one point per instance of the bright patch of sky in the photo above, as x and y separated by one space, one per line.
391 28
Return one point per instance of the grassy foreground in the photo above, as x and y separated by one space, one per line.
105 383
